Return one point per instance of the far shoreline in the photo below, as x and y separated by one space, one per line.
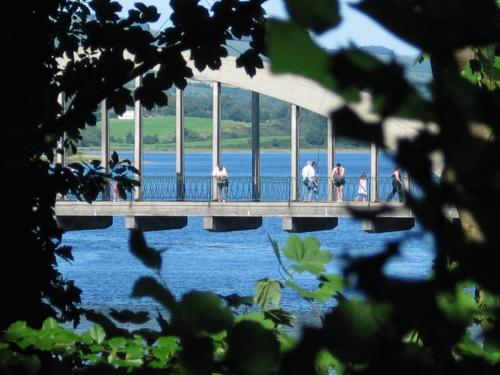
97 151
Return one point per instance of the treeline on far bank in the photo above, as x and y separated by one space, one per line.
159 124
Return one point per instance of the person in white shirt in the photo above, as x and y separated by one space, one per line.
220 175
308 175
362 188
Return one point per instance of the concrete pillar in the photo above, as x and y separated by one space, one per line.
105 142
69 223
154 223
374 154
231 223
309 224
406 184
179 143
138 139
104 135
60 150
216 130
294 173
255 146
330 141
388 224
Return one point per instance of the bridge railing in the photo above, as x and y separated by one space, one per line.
270 189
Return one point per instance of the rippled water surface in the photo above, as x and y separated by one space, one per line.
231 262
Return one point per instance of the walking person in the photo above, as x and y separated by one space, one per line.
308 173
113 163
362 188
338 177
315 181
397 185
221 177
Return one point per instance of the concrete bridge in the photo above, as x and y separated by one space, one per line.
246 213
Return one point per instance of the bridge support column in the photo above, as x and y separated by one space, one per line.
60 150
330 140
406 185
155 223
105 141
388 224
179 143
309 224
138 140
255 147
70 223
294 191
231 223
216 138
374 154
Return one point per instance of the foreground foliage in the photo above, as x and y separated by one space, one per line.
432 326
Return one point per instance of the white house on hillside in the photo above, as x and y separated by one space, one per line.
127 115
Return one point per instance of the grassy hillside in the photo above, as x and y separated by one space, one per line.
235 135
164 126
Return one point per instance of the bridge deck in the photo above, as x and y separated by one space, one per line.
227 209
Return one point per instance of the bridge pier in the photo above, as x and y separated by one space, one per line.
179 143
388 224
155 223
231 223
309 224
295 154
70 223
138 140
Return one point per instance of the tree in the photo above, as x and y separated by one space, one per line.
91 38
399 326
434 313
315 135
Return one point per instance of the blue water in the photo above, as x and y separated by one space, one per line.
231 262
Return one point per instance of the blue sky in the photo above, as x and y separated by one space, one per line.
355 27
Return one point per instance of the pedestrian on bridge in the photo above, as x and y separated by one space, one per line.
221 177
362 188
397 185
338 177
308 174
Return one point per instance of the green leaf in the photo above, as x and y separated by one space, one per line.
49 323
318 15
330 284
280 317
288 57
17 330
277 253
358 328
97 333
165 347
267 293
149 287
257 317
458 307
252 349
128 316
138 247
201 312
307 254
326 363
117 343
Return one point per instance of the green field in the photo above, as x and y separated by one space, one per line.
236 135
164 126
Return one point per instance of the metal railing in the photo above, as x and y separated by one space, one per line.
270 189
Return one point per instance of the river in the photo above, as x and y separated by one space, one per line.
227 263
